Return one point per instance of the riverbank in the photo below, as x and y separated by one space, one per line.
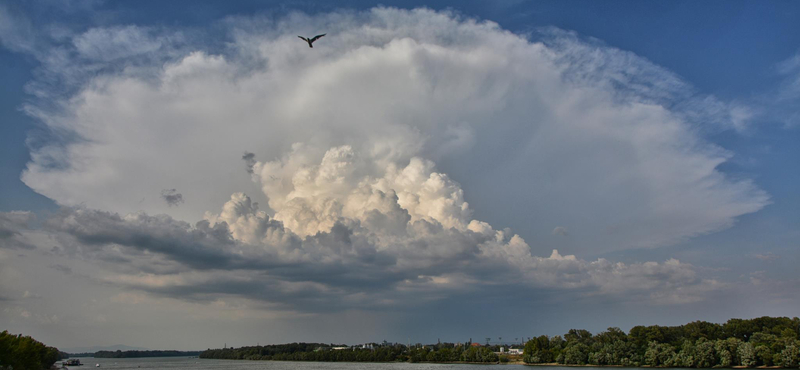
184 363
556 364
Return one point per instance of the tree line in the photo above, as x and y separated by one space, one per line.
441 352
763 341
24 352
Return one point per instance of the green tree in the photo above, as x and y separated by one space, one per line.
790 356
537 350
578 335
24 352
686 357
705 354
764 355
727 351
658 354
747 354
575 353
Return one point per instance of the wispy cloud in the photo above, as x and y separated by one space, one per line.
61 268
11 225
769 256
28 294
788 96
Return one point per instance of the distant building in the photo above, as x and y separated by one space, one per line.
511 351
476 345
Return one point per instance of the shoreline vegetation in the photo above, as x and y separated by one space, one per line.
24 352
369 352
764 343
759 342
556 364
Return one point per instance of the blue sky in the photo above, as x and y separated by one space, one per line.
653 145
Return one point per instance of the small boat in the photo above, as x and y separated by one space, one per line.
71 362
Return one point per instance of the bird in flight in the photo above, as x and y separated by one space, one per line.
311 40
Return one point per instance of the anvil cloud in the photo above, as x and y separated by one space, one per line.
341 177
580 129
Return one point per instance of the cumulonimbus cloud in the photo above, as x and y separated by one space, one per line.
363 144
558 130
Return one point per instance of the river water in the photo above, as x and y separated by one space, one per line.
181 363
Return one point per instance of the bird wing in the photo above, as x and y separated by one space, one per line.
304 39
317 36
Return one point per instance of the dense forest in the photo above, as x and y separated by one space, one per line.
764 341
262 352
136 354
18 352
80 354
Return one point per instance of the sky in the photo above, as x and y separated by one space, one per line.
190 174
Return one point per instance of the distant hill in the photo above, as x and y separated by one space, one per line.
136 354
120 347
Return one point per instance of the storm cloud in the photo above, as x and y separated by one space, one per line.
583 128
349 233
416 161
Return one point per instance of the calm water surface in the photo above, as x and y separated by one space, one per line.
181 363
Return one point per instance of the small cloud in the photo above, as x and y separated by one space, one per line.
55 250
249 161
757 277
561 230
11 225
33 316
172 197
58 267
129 298
28 294
769 256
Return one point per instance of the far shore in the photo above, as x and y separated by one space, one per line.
556 364
517 361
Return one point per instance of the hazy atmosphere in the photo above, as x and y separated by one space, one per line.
186 175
